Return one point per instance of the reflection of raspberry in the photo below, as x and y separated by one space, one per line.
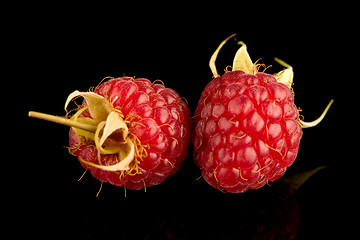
247 127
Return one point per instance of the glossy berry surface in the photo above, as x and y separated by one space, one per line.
158 125
246 131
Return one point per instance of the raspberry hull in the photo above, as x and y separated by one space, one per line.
247 131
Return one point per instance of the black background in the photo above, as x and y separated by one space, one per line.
57 49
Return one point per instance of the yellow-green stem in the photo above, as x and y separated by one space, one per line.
63 121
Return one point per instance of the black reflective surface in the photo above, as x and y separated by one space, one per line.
56 54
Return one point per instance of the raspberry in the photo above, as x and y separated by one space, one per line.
247 127
128 132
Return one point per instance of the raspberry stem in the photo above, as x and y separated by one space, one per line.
124 148
63 121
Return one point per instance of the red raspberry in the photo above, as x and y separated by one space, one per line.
247 127
129 132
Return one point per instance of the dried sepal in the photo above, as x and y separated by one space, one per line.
115 124
214 56
99 107
285 76
111 134
89 135
127 155
242 60
317 121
